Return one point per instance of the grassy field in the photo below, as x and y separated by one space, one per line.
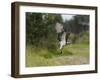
73 54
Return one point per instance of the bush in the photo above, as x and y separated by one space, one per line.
83 38
73 38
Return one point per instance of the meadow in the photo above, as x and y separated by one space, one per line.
73 54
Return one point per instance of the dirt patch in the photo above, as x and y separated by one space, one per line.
70 60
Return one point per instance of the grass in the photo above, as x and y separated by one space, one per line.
72 54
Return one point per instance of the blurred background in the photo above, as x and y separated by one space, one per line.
42 46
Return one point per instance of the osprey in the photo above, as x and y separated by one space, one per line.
62 35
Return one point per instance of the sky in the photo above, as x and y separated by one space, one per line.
67 17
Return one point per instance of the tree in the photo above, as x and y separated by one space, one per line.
40 29
79 23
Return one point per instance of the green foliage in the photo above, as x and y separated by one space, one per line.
83 38
40 29
73 38
78 24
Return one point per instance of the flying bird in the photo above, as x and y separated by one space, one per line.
62 36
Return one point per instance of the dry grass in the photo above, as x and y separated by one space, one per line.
74 54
